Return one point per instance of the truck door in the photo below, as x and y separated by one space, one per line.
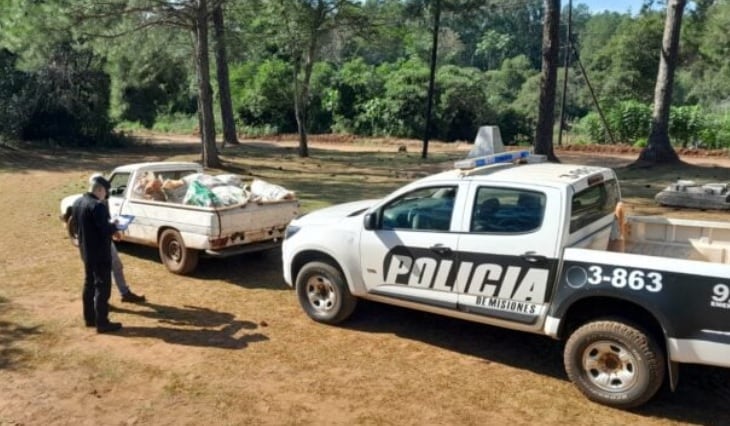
508 252
119 183
410 253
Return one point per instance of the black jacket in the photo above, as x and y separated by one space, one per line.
94 230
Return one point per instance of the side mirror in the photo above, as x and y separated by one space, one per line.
370 221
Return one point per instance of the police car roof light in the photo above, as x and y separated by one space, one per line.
504 157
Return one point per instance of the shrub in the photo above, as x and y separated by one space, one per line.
70 99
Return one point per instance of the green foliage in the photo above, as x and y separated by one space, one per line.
356 84
71 99
176 123
405 99
263 94
152 82
320 117
462 103
625 66
715 133
641 143
592 127
629 120
685 123
14 89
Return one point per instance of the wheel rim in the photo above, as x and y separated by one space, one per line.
321 293
610 366
174 251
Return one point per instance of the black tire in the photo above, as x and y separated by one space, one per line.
615 363
71 230
323 293
177 258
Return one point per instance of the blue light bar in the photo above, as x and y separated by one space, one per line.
505 157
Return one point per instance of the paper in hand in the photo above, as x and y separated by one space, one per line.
123 221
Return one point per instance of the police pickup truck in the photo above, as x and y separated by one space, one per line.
535 247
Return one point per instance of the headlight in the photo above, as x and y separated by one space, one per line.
290 231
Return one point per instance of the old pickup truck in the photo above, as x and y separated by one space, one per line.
183 232
541 248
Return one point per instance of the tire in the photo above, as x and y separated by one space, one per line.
615 363
323 293
177 258
71 230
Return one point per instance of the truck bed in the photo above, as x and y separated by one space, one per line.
675 238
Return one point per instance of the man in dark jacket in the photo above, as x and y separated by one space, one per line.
95 238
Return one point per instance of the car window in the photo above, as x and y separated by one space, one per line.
118 184
507 210
425 209
593 203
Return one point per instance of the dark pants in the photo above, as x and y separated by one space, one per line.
97 289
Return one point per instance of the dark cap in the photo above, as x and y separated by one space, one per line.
99 180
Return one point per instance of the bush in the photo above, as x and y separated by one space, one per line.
592 127
161 88
462 103
629 120
715 133
263 94
70 100
685 124
13 97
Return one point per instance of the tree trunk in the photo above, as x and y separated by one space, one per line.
224 86
432 76
205 92
548 80
299 114
659 149
301 95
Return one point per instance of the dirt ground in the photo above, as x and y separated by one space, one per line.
230 345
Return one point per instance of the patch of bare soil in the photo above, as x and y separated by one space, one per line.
230 345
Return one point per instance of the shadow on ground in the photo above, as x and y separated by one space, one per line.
703 396
11 335
192 326
251 270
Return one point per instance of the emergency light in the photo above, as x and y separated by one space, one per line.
504 157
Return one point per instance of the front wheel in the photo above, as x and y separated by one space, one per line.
323 293
614 363
177 258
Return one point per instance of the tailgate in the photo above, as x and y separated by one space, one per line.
256 221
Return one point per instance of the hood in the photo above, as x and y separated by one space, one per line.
328 215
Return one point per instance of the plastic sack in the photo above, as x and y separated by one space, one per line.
230 179
264 191
229 195
200 195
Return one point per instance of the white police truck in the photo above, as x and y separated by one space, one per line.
538 247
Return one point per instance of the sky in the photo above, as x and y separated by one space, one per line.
611 5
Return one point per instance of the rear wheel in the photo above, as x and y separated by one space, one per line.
177 258
323 293
615 363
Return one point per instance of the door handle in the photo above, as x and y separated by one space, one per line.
533 257
441 250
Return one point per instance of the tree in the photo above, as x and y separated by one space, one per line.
115 18
301 30
548 80
659 148
222 75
